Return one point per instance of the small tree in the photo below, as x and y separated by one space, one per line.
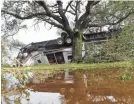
75 17
8 47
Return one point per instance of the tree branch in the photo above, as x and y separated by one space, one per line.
95 2
67 6
64 18
26 17
72 8
115 23
48 12
53 23
6 36
70 12
87 12
76 13
60 10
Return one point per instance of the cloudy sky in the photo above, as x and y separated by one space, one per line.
36 33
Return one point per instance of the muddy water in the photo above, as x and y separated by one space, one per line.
112 86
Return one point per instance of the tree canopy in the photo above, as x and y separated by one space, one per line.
83 14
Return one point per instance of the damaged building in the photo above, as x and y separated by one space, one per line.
57 51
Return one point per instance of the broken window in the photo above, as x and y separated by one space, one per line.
60 58
39 61
70 58
56 58
70 73
51 58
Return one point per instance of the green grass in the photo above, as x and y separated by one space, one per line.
74 66
5 65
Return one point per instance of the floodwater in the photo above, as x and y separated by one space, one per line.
110 86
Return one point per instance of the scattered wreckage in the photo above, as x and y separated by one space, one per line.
57 51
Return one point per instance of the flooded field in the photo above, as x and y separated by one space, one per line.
107 86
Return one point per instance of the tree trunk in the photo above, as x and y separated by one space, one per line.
77 47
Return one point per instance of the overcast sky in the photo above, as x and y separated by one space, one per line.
36 34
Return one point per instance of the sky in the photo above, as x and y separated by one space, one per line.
35 34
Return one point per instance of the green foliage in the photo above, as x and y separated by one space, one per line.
120 48
74 66
17 101
22 76
5 65
93 53
16 44
4 44
125 77
8 47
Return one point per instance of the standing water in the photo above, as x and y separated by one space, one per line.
69 87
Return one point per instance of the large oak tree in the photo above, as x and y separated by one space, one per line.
73 17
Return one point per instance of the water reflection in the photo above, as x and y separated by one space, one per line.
73 87
31 97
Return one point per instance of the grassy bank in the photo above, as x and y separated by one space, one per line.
74 66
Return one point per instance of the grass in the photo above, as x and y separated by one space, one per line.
74 66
